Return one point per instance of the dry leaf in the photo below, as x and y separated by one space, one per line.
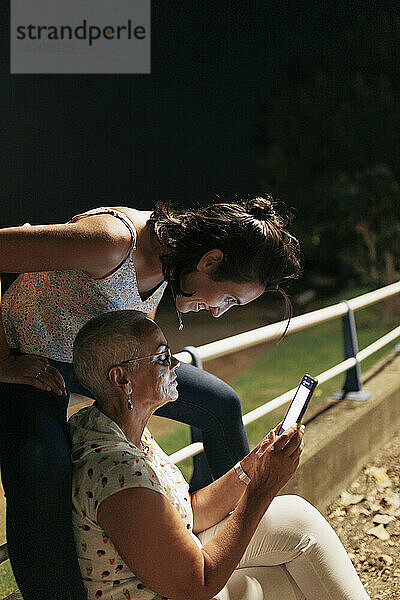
386 559
384 484
338 512
379 531
348 499
379 474
364 511
384 519
374 507
392 498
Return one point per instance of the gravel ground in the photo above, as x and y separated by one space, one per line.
366 517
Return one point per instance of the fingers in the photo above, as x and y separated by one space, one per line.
295 446
36 371
272 435
35 382
297 454
58 378
46 377
284 438
269 438
291 439
49 382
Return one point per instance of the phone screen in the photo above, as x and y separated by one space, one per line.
299 402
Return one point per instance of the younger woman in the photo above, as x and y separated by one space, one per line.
104 260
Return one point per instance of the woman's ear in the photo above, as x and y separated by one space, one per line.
210 261
116 377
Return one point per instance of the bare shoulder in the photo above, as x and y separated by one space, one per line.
138 217
147 249
102 226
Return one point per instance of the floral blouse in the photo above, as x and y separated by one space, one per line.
42 312
105 462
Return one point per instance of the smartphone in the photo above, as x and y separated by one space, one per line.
299 403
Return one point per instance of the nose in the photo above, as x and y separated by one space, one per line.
217 311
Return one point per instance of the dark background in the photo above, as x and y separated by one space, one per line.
186 132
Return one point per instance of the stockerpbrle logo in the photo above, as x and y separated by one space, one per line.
80 36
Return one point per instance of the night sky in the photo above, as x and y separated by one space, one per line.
185 132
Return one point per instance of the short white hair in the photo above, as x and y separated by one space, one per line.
104 341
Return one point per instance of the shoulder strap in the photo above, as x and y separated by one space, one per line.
115 213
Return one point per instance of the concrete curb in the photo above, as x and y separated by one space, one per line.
358 429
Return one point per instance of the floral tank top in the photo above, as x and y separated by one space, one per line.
42 312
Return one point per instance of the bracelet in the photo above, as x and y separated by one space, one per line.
241 474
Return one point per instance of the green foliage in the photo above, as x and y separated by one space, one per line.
329 146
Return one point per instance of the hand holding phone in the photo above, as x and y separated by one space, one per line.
299 403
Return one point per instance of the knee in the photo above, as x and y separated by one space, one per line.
296 511
301 513
289 523
295 504
227 401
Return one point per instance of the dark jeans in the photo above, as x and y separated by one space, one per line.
36 470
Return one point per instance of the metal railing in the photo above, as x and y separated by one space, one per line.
351 365
352 387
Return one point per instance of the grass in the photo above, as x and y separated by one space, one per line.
278 369
7 581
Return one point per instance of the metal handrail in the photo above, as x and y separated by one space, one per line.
261 411
271 332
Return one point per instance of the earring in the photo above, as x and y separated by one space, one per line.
130 405
178 312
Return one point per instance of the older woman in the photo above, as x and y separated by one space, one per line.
138 531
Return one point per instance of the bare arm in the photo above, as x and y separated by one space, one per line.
157 547
214 502
96 244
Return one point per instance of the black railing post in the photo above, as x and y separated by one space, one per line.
352 387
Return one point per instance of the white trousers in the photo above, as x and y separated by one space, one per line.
294 554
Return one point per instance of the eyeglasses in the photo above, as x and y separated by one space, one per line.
167 360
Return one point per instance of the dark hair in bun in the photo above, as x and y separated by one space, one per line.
261 207
251 232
